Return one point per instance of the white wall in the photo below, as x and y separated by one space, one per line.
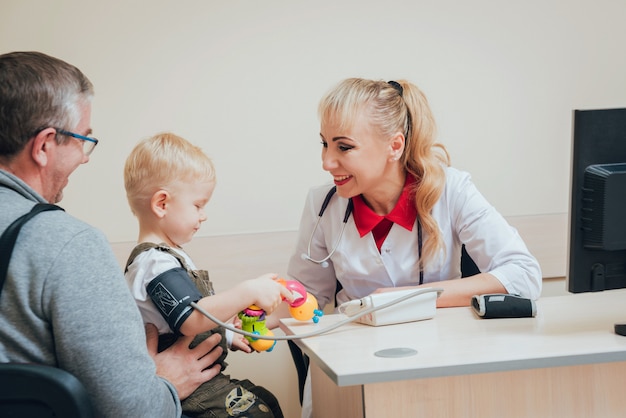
242 79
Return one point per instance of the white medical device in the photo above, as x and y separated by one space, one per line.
414 308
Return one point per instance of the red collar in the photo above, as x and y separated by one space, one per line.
403 214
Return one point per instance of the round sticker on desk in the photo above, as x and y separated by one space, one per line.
396 352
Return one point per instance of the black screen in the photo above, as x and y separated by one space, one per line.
597 244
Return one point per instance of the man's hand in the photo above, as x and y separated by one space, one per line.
183 367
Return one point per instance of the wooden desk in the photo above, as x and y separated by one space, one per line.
565 362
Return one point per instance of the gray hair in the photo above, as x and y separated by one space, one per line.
38 91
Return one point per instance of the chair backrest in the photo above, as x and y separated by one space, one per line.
468 267
34 390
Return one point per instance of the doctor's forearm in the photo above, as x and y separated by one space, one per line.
459 292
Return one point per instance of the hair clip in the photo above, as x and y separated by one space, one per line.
396 86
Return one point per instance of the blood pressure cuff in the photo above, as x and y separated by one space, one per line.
502 305
172 292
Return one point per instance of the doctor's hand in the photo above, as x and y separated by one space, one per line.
185 368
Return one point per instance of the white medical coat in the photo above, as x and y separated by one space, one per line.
464 217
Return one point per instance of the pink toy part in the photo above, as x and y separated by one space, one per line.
298 290
254 311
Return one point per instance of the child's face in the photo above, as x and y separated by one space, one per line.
185 210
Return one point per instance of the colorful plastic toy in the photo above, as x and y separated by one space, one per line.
303 308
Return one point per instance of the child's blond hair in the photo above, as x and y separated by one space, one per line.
157 162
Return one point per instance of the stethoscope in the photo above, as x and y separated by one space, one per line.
324 261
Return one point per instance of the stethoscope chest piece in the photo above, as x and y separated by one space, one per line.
324 261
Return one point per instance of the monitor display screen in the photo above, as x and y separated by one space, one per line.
597 216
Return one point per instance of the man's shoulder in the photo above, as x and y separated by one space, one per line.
61 222
59 228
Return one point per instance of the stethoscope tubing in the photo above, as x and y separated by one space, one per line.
324 261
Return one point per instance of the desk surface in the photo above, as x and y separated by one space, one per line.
568 330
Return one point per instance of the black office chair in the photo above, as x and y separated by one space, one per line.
301 361
38 391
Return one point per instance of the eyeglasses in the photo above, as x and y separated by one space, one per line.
88 143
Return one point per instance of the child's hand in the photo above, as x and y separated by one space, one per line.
268 293
239 342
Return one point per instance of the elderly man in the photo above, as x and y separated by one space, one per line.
64 302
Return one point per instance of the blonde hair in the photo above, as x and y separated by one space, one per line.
394 107
159 161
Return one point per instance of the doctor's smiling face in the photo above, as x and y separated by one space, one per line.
361 160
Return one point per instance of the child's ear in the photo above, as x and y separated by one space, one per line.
159 202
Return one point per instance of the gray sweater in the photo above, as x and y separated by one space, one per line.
65 303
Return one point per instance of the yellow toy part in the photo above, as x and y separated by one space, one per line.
308 310
263 345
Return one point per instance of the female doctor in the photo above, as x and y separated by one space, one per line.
411 212
400 214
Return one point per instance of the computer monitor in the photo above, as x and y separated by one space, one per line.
597 217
